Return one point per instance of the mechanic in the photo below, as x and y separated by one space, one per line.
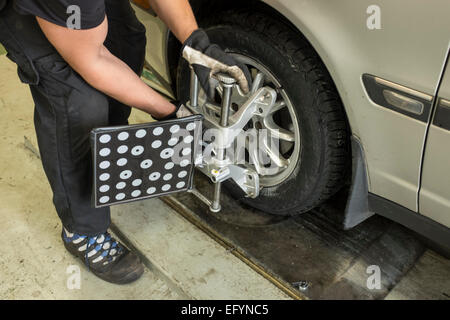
87 77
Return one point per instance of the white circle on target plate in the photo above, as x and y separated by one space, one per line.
121 185
156 144
190 126
104 188
104 199
137 182
121 162
125 174
167 177
186 151
158 131
123 136
175 128
151 190
165 187
136 193
141 133
188 139
104 176
182 174
122 149
184 163
105 152
136 151
172 142
147 163
104 164
169 165
105 138
120 196
154 176
166 153
180 184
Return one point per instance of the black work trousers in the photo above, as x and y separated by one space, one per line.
67 108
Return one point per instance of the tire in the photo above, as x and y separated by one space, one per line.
324 158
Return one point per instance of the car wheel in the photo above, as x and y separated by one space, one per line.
313 153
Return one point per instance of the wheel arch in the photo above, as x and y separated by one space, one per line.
204 9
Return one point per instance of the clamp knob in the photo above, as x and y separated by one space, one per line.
225 78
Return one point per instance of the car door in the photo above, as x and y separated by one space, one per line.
434 200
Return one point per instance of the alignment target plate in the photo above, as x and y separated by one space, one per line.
144 161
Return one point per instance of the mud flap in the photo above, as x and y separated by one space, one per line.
137 162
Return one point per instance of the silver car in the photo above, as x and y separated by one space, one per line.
363 95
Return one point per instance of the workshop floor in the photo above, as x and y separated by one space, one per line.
35 265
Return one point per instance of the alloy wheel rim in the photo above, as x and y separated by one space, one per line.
281 122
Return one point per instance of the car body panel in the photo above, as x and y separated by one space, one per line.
435 189
409 50
155 58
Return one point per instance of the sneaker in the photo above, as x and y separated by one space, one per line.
105 257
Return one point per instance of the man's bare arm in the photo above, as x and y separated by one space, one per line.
84 51
177 15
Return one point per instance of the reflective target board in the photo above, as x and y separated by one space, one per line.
143 161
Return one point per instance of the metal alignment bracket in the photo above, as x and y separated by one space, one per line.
218 167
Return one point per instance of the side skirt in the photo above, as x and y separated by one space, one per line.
421 224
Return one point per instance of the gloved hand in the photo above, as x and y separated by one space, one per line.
183 112
180 112
208 59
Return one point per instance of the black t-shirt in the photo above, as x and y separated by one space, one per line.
92 12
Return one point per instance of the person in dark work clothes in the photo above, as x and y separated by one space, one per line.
83 77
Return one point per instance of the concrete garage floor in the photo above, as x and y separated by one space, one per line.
184 263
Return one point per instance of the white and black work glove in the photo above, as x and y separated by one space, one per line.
208 59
